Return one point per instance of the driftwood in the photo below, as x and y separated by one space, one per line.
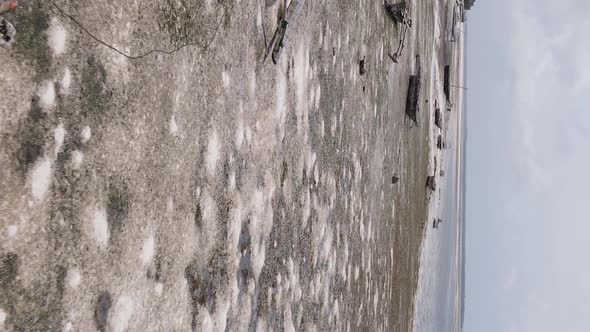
399 14
447 83
414 93
281 36
412 99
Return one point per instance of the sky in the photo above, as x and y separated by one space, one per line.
528 162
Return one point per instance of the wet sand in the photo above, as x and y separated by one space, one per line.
205 189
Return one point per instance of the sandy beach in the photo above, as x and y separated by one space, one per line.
205 189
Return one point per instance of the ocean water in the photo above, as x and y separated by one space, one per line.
439 295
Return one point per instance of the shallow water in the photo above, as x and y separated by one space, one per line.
439 294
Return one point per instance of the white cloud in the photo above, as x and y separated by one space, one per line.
546 90
537 238
511 279
551 78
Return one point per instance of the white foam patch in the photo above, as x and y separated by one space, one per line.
41 179
235 226
289 327
68 327
12 230
47 95
248 134
85 134
261 223
170 205
240 126
100 227
148 250
208 5
301 75
226 79
2 317
240 132
121 314
159 288
213 322
281 105
213 152
66 82
58 136
206 322
220 316
208 207
209 210
252 84
173 127
77 159
73 278
116 65
56 37
318 94
306 211
259 18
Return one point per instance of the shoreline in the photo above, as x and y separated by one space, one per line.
432 246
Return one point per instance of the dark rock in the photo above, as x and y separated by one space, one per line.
438 118
446 82
204 282
101 310
431 183
8 269
362 69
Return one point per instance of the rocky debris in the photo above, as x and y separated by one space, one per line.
102 306
438 118
362 69
7 33
204 283
431 183
436 223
